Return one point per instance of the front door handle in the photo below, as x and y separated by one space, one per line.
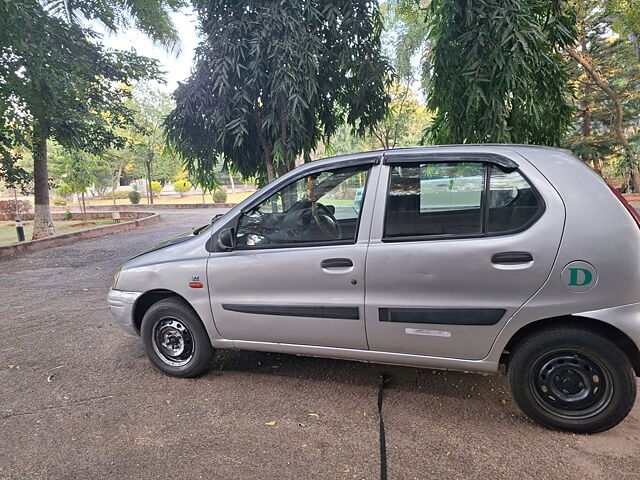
512 257
336 263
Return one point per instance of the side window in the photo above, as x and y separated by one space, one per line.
458 199
435 199
321 207
513 204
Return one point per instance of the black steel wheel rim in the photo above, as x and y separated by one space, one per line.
172 342
571 384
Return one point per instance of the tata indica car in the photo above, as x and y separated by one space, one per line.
457 257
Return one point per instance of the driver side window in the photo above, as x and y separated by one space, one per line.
323 207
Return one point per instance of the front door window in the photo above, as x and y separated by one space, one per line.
323 207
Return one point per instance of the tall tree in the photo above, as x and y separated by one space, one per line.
58 82
608 76
269 82
496 75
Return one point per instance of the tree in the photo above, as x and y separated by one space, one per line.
496 75
79 175
270 82
57 82
608 77
151 157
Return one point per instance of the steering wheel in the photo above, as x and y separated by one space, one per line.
326 221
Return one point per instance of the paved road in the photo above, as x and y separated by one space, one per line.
79 400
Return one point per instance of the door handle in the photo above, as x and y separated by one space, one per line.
512 257
336 263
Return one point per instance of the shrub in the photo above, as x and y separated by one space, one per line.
64 190
59 201
118 195
219 196
156 188
11 207
67 215
134 197
182 186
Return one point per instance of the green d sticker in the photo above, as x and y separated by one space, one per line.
576 274
579 276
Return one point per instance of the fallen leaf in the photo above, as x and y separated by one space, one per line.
346 470
313 415
50 377
449 454
270 424
168 402
11 366
503 401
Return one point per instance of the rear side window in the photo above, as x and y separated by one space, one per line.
457 199
513 203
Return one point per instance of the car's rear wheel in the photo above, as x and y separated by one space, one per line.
175 339
572 379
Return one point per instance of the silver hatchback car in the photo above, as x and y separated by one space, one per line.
455 257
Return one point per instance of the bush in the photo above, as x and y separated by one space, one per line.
156 188
9 207
182 186
219 196
134 197
118 195
59 201
67 215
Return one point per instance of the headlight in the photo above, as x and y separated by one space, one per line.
116 276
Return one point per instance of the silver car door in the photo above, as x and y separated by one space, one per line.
444 282
285 284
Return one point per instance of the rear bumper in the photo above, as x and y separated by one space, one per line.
121 305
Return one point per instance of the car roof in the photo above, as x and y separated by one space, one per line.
462 148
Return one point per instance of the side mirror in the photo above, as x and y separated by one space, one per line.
226 240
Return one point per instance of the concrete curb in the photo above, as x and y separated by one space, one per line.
72 237
166 206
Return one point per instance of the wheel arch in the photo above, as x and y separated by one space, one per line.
147 299
607 330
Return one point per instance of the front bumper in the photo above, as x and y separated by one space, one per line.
121 304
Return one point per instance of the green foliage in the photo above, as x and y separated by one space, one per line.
118 195
78 175
151 17
156 188
59 201
67 215
64 190
134 197
496 73
270 81
219 196
182 186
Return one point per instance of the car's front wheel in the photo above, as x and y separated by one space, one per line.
175 340
572 379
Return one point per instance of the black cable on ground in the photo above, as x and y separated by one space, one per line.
384 381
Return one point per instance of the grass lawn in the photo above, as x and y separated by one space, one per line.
162 200
8 233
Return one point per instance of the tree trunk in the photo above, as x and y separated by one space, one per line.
268 163
84 209
629 151
149 189
42 222
233 185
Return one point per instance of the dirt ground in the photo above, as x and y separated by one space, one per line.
78 399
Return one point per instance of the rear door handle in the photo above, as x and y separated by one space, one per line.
336 263
512 257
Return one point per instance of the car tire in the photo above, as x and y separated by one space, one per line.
572 379
175 340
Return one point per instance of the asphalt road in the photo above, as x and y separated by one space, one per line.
78 399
